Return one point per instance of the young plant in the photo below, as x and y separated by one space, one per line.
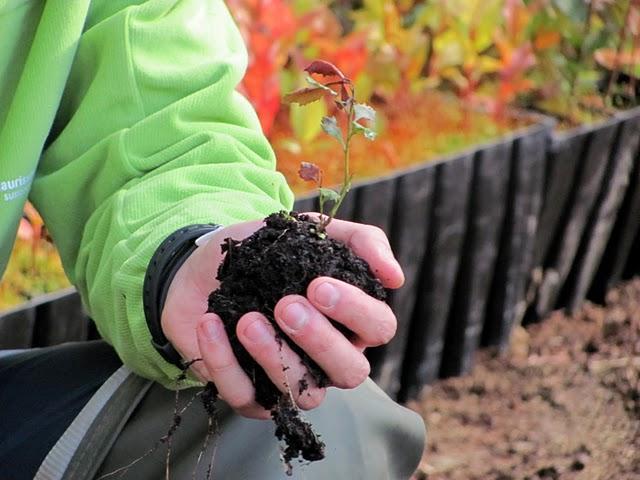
341 90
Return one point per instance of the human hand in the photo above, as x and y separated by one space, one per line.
305 320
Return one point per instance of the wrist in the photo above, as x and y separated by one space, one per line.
162 268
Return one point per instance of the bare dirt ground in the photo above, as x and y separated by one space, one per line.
563 403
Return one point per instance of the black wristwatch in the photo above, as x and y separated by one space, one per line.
164 264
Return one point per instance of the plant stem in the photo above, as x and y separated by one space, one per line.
346 181
426 68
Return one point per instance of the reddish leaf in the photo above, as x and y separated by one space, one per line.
324 68
518 61
309 172
344 94
304 95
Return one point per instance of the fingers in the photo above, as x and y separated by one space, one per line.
370 319
223 369
371 244
281 364
345 364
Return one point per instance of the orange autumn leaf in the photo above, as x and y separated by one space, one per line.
547 39
350 52
268 27
34 219
611 59
517 18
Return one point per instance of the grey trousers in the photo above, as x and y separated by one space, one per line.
367 435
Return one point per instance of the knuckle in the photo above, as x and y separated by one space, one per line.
220 367
241 401
386 330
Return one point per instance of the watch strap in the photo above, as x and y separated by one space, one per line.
164 264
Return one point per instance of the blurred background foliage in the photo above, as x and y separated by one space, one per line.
549 55
34 267
442 74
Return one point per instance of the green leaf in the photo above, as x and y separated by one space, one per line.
363 111
330 126
305 121
369 133
329 194
574 9
364 85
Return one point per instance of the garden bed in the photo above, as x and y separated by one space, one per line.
564 403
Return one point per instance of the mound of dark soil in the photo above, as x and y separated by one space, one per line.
280 259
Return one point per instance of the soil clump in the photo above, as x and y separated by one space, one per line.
282 258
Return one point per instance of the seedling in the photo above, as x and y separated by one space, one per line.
341 90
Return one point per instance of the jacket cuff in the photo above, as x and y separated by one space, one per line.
164 264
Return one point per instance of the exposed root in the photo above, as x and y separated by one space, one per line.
208 398
291 427
176 421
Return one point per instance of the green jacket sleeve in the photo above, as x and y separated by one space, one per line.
151 136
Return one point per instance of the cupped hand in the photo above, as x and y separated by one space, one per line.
304 319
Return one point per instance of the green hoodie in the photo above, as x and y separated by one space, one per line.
121 119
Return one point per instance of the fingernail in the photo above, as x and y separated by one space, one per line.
213 330
258 332
295 316
327 295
